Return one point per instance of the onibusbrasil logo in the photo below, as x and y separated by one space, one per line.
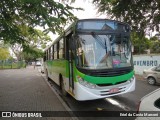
21 114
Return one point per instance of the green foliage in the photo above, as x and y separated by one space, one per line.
140 43
155 44
10 58
49 14
140 14
37 39
30 54
33 41
154 38
155 47
12 65
4 53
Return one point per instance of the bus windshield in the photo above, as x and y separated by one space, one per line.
108 51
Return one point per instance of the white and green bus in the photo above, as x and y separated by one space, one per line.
92 59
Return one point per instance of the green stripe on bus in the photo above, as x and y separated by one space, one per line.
104 80
62 66
58 66
113 80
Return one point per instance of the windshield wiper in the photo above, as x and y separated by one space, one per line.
99 40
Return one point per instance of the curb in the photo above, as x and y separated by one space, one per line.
139 77
60 99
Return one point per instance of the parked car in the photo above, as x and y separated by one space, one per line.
150 104
152 75
38 63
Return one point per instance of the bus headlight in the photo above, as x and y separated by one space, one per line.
131 79
85 83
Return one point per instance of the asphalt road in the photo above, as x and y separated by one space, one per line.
26 99
25 90
125 102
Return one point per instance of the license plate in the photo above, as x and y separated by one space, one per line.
114 90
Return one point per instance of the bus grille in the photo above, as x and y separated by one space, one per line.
110 84
109 73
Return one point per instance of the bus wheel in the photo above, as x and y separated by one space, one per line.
63 91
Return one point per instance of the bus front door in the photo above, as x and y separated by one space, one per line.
70 58
71 81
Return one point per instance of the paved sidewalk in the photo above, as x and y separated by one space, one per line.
26 90
139 77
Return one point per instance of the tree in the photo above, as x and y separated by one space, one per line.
49 14
4 53
155 44
34 41
17 50
39 39
32 54
140 14
140 43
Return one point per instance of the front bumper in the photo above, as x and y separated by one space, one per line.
83 93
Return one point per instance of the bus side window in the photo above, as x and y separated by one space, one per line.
58 50
55 51
51 58
48 54
61 48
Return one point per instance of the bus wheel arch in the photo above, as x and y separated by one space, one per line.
62 86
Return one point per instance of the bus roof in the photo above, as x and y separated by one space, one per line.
70 29
101 19
66 32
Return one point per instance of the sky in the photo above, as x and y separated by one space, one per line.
89 9
88 12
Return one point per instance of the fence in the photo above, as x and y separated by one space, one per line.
12 65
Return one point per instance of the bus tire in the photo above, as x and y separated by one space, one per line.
63 91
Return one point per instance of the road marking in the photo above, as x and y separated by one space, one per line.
116 103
